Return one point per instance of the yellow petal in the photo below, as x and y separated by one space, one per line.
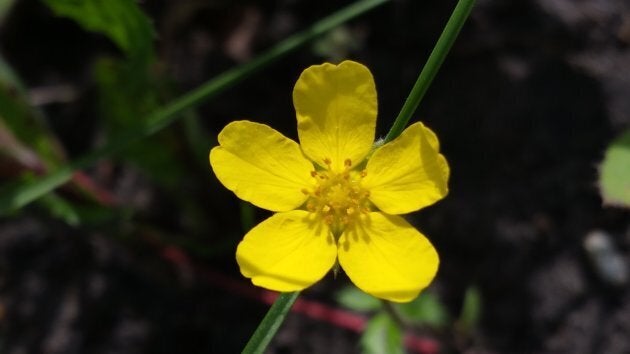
287 252
336 112
387 257
261 166
407 173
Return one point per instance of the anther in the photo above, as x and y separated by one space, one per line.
350 211
326 208
327 161
347 163
363 173
305 191
313 173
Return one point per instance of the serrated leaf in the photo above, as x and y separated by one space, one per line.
614 178
122 21
357 300
382 335
426 309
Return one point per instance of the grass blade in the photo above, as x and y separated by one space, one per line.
430 69
268 327
22 195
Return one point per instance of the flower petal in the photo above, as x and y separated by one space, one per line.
261 166
287 252
407 173
336 112
387 257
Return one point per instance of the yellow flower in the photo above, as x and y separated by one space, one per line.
335 199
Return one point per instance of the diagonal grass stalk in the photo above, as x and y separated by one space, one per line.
270 324
276 314
23 194
430 69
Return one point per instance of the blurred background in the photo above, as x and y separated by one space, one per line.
136 253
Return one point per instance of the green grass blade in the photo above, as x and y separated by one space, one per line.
26 193
441 49
268 327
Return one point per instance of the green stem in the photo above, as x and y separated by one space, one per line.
23 194
441 49
247 216
270 324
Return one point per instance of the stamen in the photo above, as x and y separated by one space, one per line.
338 197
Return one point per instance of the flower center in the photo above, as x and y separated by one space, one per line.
338 197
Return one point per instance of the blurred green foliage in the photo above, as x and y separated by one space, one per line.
5 5
26 138
426 309
614 178
471 310
129 88
382 335
122 21
357 300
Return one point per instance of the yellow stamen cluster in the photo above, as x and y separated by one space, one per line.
338 197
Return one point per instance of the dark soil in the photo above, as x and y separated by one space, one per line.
524 107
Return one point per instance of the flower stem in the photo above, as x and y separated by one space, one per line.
24 193
270 324
441 49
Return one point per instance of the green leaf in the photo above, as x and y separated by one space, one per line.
60 208
426 309
614 178
471 309
26 193
382 335
126 98
25 136
357 300
5 6
122 21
